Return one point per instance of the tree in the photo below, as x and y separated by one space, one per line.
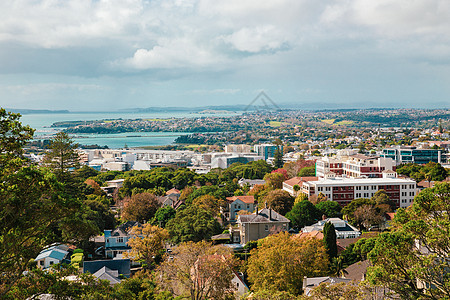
193 224
292 168
274 180
415 253
349 209
140 207
280 262
331 209
147 243
33 205
307 171
199 271
329 239
382 198
62 155
367 215
278 158
300 197
303 213
210 203
163 215
279 200
259 191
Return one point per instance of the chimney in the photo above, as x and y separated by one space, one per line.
270 214
256 209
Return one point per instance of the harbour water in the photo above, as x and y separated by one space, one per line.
42 123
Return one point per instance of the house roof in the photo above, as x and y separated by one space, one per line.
245 199
313 234
222 236
105 273
316 281
52 253
122 266
173 191
123 229
297 180
357 271
265 215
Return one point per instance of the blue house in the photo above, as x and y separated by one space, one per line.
116 241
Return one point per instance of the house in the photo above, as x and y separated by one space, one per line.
311 283
343 229
258 225
237 203
55 254
116 241
172 200
250 182
111 270
289 184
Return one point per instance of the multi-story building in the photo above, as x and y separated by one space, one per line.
344 190
266 150
409 154
367 166
238 148
356 165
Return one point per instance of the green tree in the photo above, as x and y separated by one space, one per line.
62 156
307 171
331 209
33 205
278 158
414 254
280 262
193 224
329 239
163 215
303 213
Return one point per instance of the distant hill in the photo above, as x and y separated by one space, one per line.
37 111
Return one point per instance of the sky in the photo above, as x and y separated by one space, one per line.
87 55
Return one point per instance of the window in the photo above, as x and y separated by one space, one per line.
52 262
266 227
120 240
41 262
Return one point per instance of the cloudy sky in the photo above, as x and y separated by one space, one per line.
110 54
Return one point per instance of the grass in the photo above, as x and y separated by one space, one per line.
345 122
328 121
157 120
275 124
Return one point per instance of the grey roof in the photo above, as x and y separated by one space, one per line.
222 236
107 274
357 271
265 215
123 229
122 266
315 281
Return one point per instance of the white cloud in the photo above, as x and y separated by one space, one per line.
257 39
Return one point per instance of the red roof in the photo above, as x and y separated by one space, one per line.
298 180
245 199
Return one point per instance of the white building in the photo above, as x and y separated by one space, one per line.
344 190
343 229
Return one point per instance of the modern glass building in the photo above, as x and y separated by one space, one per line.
403 155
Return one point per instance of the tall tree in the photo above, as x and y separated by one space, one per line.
32 204
278 158
329 239
62 155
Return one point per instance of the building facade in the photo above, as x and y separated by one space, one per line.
406 154
344 190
